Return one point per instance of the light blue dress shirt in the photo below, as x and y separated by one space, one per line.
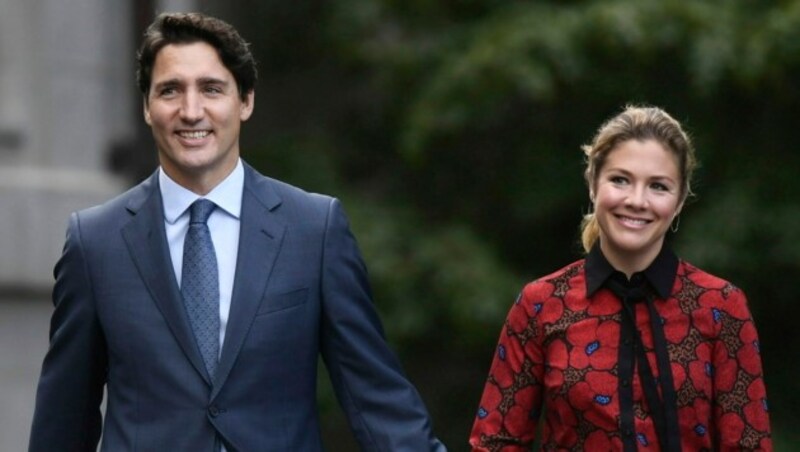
223 224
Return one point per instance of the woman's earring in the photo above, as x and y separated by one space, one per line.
676 223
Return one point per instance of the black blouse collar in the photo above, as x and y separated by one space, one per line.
660 274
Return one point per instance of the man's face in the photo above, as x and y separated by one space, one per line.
195 111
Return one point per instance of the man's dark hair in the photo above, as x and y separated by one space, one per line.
188 28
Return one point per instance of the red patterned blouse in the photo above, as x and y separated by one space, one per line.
561 347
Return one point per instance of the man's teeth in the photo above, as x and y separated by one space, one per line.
194 134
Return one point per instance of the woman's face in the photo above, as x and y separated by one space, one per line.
636 196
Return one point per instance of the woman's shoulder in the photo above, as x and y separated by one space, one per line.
693 283
689 273
566 277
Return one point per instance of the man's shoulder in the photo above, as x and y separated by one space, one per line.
116 207
276 192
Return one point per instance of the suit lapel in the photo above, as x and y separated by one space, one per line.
260 241
147 243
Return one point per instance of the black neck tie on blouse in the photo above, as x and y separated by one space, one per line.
663 408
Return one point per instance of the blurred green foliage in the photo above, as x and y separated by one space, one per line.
451 130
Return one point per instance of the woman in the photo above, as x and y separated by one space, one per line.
630 348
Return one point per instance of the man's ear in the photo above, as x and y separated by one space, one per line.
248 104
146 108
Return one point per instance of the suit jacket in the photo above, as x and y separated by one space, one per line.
300 290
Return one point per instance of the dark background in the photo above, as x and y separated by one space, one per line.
452 131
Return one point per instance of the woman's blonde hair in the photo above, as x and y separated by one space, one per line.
641 124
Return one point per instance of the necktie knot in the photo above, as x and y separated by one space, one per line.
200 210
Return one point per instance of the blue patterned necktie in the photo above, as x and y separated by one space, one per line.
200 284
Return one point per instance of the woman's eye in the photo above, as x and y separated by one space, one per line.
618 179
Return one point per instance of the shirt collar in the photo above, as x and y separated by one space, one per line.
227 195
660 274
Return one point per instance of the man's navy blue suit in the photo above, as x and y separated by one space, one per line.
300 290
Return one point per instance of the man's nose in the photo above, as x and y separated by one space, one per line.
191 107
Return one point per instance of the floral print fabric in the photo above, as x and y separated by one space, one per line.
560 349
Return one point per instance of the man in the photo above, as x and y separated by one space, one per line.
202 297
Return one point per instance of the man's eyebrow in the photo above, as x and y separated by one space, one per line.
212 81
167 83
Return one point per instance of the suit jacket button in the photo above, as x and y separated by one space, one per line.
213 411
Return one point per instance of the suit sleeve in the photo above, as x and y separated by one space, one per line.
67 413
384 410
